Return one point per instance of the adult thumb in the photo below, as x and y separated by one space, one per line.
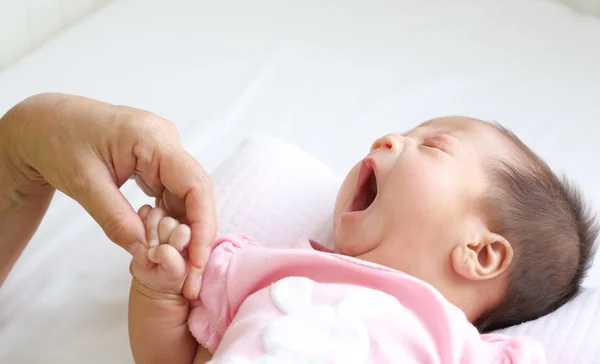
103 200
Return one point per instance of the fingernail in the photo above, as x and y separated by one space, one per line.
153 242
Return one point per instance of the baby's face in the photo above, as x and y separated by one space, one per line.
415 196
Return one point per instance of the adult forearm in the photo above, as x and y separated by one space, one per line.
23 203
18 222
158 330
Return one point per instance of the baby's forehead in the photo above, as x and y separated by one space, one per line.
454 124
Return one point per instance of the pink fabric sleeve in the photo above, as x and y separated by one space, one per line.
515 350
211 313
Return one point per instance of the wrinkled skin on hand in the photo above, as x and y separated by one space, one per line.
88 149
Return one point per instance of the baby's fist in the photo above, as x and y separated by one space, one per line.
168 240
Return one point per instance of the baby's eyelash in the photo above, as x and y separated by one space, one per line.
432 143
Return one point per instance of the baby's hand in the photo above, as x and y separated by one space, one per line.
169 239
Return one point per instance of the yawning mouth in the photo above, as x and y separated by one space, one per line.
366 188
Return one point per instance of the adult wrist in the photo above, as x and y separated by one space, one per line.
24 195
18 181
9 180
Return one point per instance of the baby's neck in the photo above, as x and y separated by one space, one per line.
473 298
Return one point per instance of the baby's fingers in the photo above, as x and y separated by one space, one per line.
180 237
143 212
152 221
168 258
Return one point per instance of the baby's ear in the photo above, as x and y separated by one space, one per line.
486 258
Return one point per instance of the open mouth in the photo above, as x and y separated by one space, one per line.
366 188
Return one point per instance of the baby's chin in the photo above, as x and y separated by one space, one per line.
339 246
352 247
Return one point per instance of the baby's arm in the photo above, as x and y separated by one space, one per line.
158 330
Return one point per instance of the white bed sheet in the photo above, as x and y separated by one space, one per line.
328 76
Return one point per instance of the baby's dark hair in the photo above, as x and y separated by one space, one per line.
550 229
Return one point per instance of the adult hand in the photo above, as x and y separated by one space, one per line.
87 149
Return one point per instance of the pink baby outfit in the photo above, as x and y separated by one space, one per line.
264 305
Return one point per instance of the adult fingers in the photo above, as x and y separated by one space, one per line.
101 198
149 190
193 281
184 178
175 206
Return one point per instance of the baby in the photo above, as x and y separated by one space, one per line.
441 234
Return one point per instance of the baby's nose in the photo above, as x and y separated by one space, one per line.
389 141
